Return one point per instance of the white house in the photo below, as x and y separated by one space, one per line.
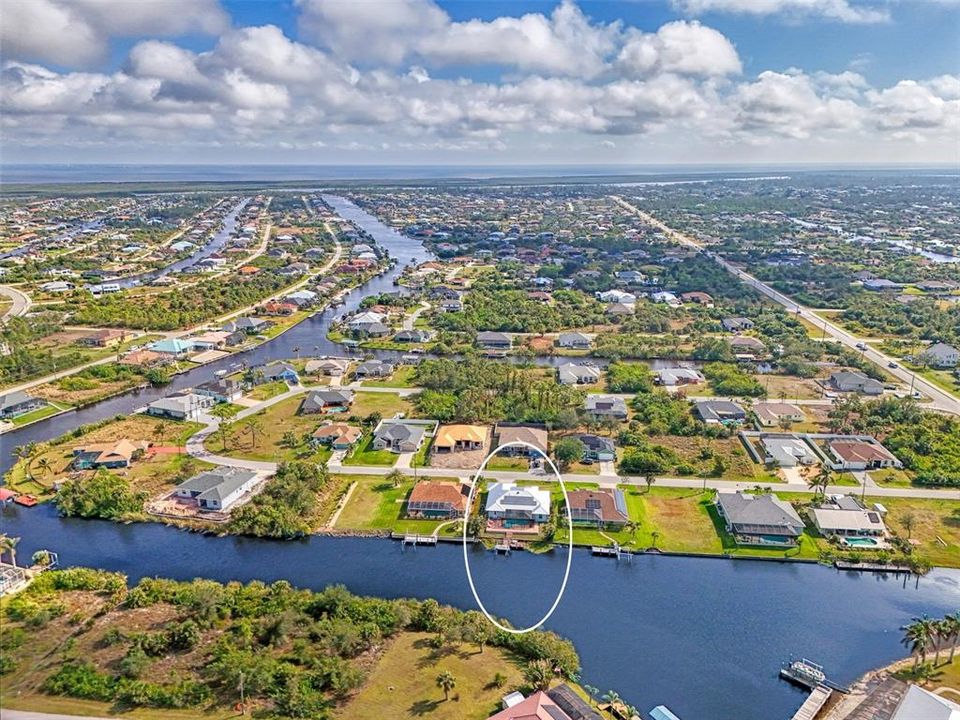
508 501
218 489
574 374
181 407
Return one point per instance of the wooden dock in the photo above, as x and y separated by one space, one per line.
871 567
814 703
415 540
614 552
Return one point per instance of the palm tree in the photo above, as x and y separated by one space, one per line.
820 481
632 527
917 636
446 682
654 536
539 674
252 427
953 623
591 691
396 478
44 465
612 697
9 545
942 632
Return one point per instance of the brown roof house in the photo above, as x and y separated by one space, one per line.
431 499
861 454
522 433
339 436
598 508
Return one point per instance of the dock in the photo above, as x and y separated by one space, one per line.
615 552
415 540
814 703
871 567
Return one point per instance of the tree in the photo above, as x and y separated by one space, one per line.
396 478
539 674
446 682
917 636
649 478
655 536
953 629
225 426
909 522
44 465
820 481
9 545
160 431
253 427
567 451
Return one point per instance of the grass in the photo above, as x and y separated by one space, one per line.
788 386
376 504
402 377
39 414
945 675
891 477
387 404
700 453
268 390
932 519
403 683
364 454
508 463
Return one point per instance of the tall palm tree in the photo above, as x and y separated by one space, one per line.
917 636
655 536
44 465
820 481
9 545
953 623
253 426
942 632
446 682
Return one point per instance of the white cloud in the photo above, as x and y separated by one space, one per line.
849 11
77 32
680 47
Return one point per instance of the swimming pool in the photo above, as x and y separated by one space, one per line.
862 542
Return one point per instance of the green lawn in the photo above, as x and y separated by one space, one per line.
891 477
387 404
268 390
39 414
508 463
376 504
402 378
364 454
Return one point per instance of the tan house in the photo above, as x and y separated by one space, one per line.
521 433
770 414
119 454
457 438
103 338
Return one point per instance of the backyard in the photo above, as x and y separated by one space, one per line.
376 504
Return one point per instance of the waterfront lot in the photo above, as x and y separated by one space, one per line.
376 504
403 683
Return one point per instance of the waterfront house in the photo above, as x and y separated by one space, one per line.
210 340
366 322
248 325
112 455
603 508
715 412
918 703
863 453
941 355
596 448
852 381
672 377
19 403
522 433
172 347
771 414
601 406
103 338
746 346
276 372
217 490
331 367
412 336
514 506
494 340
759 519
181 407
432 500
222 390
573 341
787 451
559 703
338 436
576 374
401 436
844 516
324 401
459 438
145 358
373 369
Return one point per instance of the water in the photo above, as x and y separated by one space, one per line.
704 636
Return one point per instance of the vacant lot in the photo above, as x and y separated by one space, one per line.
403 683
701 454
364 454
386 403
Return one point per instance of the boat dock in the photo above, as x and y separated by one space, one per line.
871 567
615 552
813 704
415 540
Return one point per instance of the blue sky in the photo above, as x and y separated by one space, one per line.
432 81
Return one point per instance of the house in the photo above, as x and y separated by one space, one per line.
373 368
880 285
672 377
322 401
771 414
363 322
736 324
920 704
699 298
574 341
173 347
854 382
719 411
412 336
744 344
631 277
665 298
181 407
787 451
941 355
19 403
574 374
338 436
282 309
494 340
237 337
57 286
103 338
458 438
276 372
559 703
759 519
844 516
511 503
248 325
144 358
603 509
619 309
401 436
333 367
433 500
616 296
596 448
601 406
522 433
118 454
222 390
210 340
218 489
860 454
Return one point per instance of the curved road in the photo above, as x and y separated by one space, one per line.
21 301
941 399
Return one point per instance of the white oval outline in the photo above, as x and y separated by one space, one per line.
466 519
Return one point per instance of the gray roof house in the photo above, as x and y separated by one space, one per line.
576 374
18 403
853 381
327 366
575 340
494 340
941 355
218 489
736 324
180 407
222 389
759 519
318 401
787 450
596 447
606 406
719 411
412 336
373 368
401 436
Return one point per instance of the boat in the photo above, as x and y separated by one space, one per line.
662 712
803 672
220 373
26 500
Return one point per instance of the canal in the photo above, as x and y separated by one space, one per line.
704 636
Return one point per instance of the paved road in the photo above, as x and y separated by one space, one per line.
25 715
21 301
941 400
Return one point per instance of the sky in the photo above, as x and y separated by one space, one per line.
480 82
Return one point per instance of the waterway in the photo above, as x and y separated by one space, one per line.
704 636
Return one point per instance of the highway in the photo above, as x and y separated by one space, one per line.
939 399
